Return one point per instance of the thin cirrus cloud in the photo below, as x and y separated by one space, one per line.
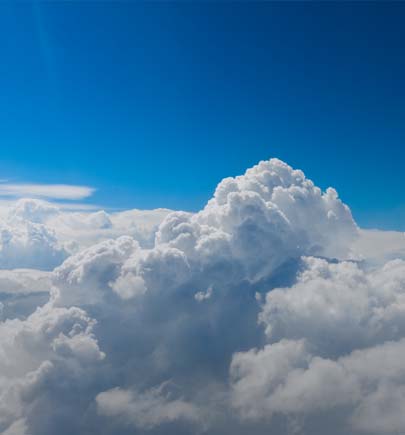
49 191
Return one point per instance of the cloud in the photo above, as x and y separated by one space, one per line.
22 291
50 191
376 246
148 409
255 229
40 356
27 244
38 234
17 428
336 342
88 228
24 281
268 311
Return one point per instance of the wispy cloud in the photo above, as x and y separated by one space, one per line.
50 191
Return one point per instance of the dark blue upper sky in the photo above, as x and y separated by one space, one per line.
154 103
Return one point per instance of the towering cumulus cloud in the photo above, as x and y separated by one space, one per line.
262 313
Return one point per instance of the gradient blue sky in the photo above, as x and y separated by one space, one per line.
154 103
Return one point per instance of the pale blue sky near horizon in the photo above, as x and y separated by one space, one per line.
152 104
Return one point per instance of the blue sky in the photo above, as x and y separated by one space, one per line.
153 103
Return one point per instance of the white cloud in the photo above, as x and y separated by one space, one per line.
26 244
38 234
254 227
50 191
202 296
247 307
148 409
40 357
336 342
24 281
365 388
376 246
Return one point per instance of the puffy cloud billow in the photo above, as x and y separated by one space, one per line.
267 312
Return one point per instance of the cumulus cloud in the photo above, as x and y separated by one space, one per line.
24 281
82 229
27 244
261 219
22 291
40 356
40 235
148 409
265 312
377 247
336 342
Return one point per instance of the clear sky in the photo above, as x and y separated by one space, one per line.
153 103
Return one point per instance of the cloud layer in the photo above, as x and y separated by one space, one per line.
269 312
